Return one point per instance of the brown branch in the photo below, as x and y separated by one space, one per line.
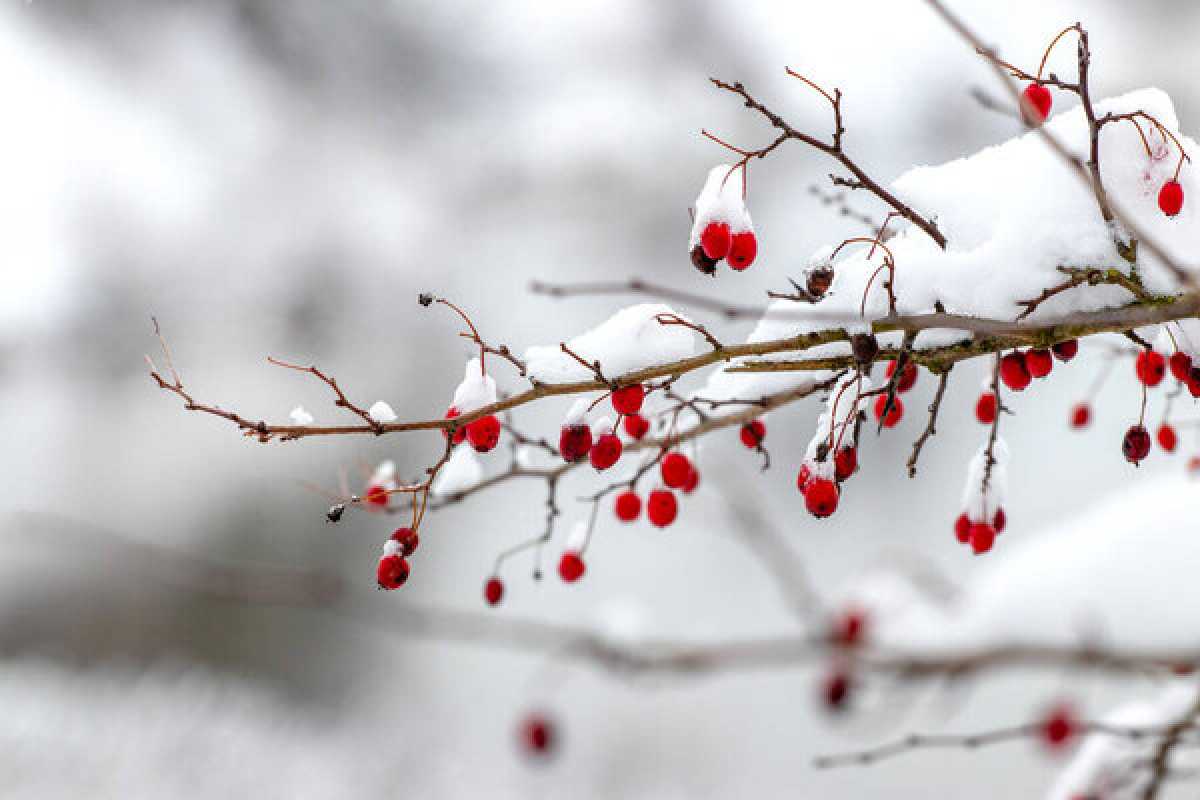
1090 276
675 319
930 427
342 401
833 148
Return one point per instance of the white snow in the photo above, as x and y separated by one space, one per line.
476 390
629 340
463 470
381 412
721 200
300 416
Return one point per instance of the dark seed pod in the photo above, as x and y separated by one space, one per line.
819 279
334 514
865 347
702 262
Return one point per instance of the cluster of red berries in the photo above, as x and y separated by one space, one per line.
1017 371
575 441
483 434
393 568
662 506
1151 367
890 415
821 494
718 242
980 534
846 633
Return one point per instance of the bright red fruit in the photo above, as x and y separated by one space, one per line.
962 528
1065 351
661 507
1036 103
571 566
636 426
803 477
1039 362
753 433
675 468
459 433
628 506
835 691
484 433
407 539
605 451
538 735
693 480
821 497
392 572
1167 438
1058 726
574 442
493 591
845 463
907 378
985 408
981 536
1081 415
1136 444
1000 520
628 399
1150 367
376 495
848 630
1170 198
1014 371
894 413
1180 364
742 250
715 240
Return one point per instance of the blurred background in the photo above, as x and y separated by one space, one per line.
283 178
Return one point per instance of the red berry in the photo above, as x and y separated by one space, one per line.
605 451
1000 521
1035 103
1136 444
753 433
1065 351
1167 438
1180 364
1150 367
803 478
1058 726
636 426
715 240
907 378
484 433
985 408
376 495
894 413
1170 198
821 497
981 537
538 735
1039 362
571 566
835 691
392 572
962 528
1014 371
661 507
493 591
1081 415
460 433
675 468
1193 386
845 463
742 250
849 628
1193 465
693 480
407 539
628 506
628 399
574 442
